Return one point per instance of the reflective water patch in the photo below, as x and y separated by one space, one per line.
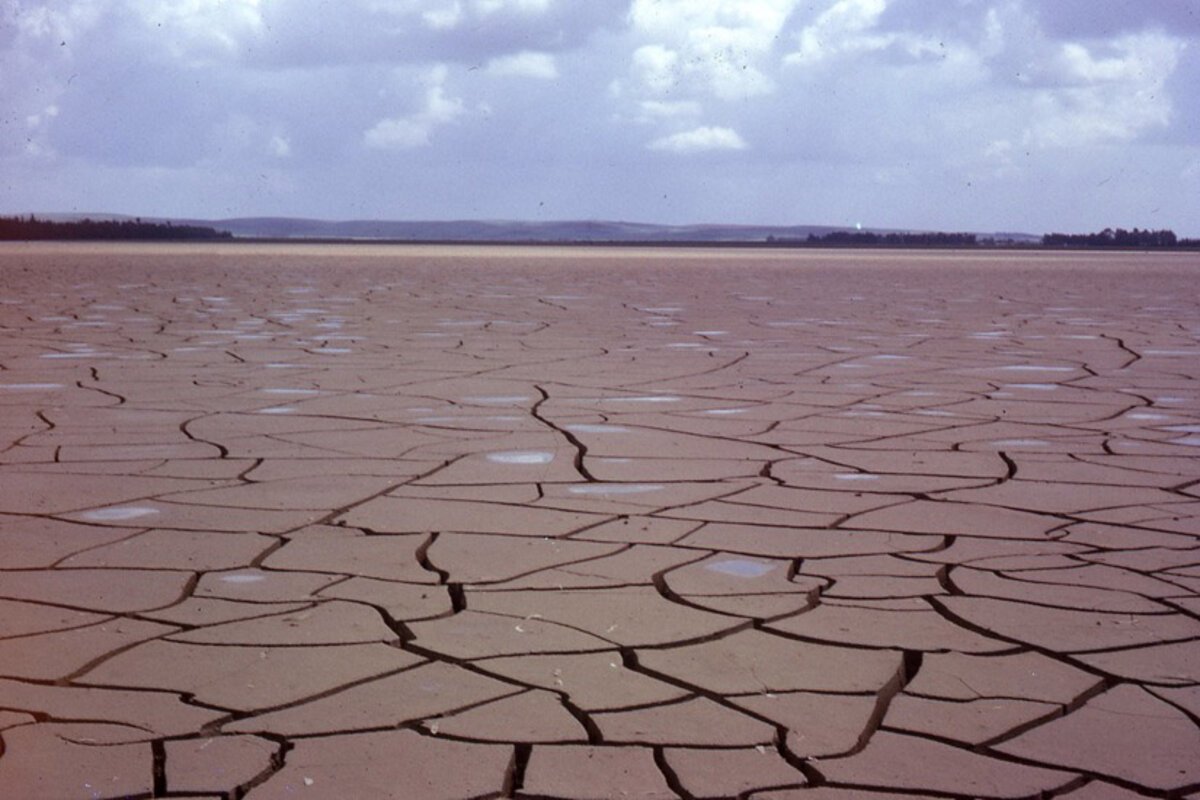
521 457
118 513
615 488
741 568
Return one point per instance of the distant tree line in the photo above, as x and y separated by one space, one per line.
870 239
1118 238
29 228
1109 237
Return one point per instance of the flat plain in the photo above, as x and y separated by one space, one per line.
413 522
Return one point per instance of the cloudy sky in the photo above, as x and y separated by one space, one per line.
1027 115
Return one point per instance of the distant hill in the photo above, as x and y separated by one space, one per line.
509 230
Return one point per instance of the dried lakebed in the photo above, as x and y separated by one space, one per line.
412 522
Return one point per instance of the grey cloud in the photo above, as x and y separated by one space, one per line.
930 118
1072 19
317 32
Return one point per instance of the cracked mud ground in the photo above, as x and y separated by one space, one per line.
417 523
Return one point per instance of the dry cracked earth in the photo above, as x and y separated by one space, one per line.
319 522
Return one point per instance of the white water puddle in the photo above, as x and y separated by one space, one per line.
243 578
740 568
614 488
117 513
1036 387
722 412
1170 400
278 410
498 399
1020 443
654 398
76 354
521 457
1146 415
1171 352
710 333
324 351
855 476
1190 441
1183 428
663 310
587 428
280 366
30 387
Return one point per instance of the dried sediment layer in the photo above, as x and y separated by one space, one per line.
408 522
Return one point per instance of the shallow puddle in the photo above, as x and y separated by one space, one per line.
521 457
118 513
586 428
740 568
614 488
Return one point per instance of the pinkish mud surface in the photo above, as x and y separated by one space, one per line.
416 523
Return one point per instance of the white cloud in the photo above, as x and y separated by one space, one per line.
279 146
526 64
1112 98
416 129
720 47
844 28
700 140
444 17
666 109
656 68
772 99
485 7
201 32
